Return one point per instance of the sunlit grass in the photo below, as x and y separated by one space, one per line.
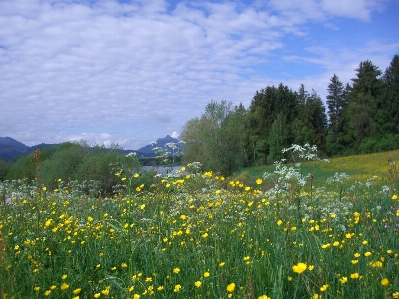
202 236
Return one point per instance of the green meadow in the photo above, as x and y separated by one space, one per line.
286 234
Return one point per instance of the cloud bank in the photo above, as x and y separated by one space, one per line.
129 72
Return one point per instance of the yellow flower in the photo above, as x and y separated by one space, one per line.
47 293
231 287
263 297
206 274
76 291
197 284
44 188
160 288
142 206
311 267
299 268
355 275
279 222
222 264
177 288
395 295
176 270
136 175
64 286
97 295
394 197
326 246
368 253
217 191
36 289
106 291
259 181
385 282
324 288
64 276
124 265
336 243
343 279
136 296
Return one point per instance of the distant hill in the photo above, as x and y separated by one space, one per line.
11 148
148 150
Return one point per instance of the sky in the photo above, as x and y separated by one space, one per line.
130 72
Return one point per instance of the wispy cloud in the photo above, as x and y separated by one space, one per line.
132 72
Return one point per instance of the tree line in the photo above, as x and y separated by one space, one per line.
361 117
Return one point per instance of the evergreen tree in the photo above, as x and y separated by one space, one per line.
365 100
335 103
390 105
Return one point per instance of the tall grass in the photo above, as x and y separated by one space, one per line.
202 236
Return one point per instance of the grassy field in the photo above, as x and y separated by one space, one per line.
204 236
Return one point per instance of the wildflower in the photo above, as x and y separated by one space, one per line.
97 295
105 291
176 270
354 262
217 191
136 296
76 291
142 206
177 288
136 175
299 268
259 181
394 197
343 279
124 265
149 279
348 236
326 246
263 297
324 288
355 275
197 284
36 289
385 282
205 235
311 267
368 253
206 274
64 276
222 264
336 243
47 293
64 286
231 287
279 222
160 288
395 295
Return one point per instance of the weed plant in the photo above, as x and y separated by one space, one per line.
201 236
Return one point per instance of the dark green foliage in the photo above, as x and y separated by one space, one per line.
79 162
390 105
22 168
217 139
4 168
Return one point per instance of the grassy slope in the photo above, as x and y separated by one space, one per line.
358 167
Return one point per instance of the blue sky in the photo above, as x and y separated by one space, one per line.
130 72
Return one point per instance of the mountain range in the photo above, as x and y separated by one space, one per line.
11 148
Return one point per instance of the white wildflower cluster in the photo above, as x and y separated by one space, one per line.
337 178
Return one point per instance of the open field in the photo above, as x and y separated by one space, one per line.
202 236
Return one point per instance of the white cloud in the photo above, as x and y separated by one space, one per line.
132 72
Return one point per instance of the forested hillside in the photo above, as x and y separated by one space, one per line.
362 116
